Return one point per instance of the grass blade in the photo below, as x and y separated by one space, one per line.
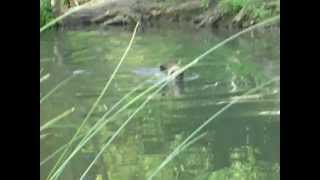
119 130
45 77
55 88
56 152
56 119
68 13
101 122
42 136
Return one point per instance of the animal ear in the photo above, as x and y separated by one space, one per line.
162 67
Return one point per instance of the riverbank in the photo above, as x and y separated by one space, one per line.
231 14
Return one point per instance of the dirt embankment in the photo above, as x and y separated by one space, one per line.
151 12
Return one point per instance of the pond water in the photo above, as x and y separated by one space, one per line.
241 143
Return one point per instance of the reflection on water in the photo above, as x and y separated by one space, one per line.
246 136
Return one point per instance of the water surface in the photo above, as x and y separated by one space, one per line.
243 141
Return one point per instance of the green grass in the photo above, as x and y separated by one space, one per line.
56 119
232 6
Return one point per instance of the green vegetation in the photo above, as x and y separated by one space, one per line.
46 14
252 10
245 166
205 3
242 12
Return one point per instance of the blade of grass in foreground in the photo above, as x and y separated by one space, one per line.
45 77
101 123
56 152
214 116
103 117
68 13
56 119
99 98
108 143
42 136
55 88
119 130
100 120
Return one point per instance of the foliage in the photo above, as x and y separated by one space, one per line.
254 9
232 5
205 3
46 13
245 166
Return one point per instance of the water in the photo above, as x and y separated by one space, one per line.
242 143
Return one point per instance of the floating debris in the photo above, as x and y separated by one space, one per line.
80 71
210 85
266 113
253 96
42 136
246 98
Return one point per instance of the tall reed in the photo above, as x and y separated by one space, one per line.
94 105
56 119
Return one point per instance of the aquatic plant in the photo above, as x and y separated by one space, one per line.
245 165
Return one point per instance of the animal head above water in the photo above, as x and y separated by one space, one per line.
171 68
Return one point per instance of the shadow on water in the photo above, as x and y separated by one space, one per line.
251 125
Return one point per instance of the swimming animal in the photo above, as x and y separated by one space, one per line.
176 86
171 68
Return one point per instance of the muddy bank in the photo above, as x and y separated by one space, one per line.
151 13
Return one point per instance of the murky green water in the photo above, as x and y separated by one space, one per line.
242 143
